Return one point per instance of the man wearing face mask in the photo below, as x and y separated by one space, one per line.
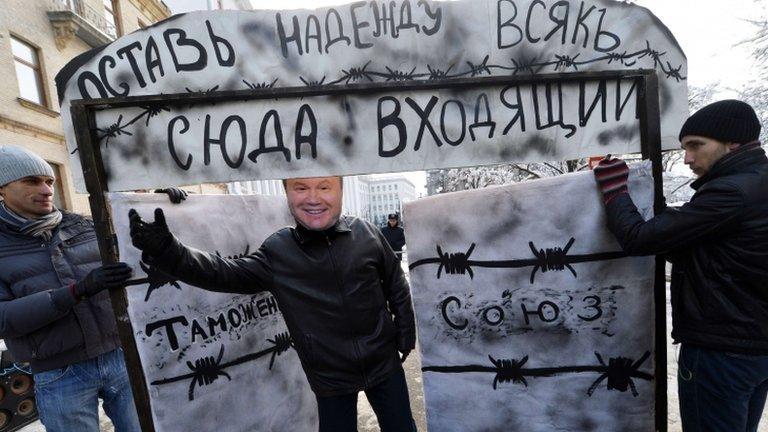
340 288
718 246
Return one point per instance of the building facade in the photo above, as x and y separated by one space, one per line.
39 37
387 195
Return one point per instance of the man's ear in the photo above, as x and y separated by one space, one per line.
732 146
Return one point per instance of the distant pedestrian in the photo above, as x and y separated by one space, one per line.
394 234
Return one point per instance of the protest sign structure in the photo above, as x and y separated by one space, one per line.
528 305
369 87
373 45
204 355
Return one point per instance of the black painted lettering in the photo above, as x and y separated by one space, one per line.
448 320
173 341
444 121
406 18
90 77
622 103
152 59
295 37
482 103
183 41
546 312
219 42
171 144
221 141
517 105
103 75
316 35
310 138
391 119
600 97
248 312
493 315
127 52
330 41
234 317
213 323
436 16
580 23
562 22
425 123
550 108
615 41
383 18
197 331
271 305
505 28
594 304
278 132
356 26
530 38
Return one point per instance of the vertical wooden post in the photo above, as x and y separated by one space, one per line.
84 123
650 141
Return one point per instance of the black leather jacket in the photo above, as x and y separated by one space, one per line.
337 290
395 237
718 246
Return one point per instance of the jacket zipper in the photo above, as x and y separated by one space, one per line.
346 312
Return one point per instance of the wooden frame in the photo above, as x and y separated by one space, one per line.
83 119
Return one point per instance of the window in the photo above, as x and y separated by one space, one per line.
395 187
110 15
28 71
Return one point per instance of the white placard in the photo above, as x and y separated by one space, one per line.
529 315
373 42
213 361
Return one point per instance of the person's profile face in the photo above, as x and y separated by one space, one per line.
30 196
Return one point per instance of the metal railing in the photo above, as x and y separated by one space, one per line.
93 16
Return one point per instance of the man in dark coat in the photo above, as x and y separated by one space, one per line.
718 246
338 285
55 312
394 235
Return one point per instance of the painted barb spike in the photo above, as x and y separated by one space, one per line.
620 372
155 278
554 259
207 370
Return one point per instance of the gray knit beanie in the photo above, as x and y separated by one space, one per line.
17 163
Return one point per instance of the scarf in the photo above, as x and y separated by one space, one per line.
42 226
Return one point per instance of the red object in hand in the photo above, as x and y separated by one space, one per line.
612 176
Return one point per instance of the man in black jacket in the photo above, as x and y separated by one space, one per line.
394 235
338 286
718 246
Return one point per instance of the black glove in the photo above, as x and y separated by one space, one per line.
151 238
404 355
105 277
176 195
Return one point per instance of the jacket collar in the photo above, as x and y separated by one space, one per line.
734 162
303 235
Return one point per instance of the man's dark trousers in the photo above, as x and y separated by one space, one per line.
389 401
721 391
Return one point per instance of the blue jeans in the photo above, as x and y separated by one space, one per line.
721 391
389 401
67 398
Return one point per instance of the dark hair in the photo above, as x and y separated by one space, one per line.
341 182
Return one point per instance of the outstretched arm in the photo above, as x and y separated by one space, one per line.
249 274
